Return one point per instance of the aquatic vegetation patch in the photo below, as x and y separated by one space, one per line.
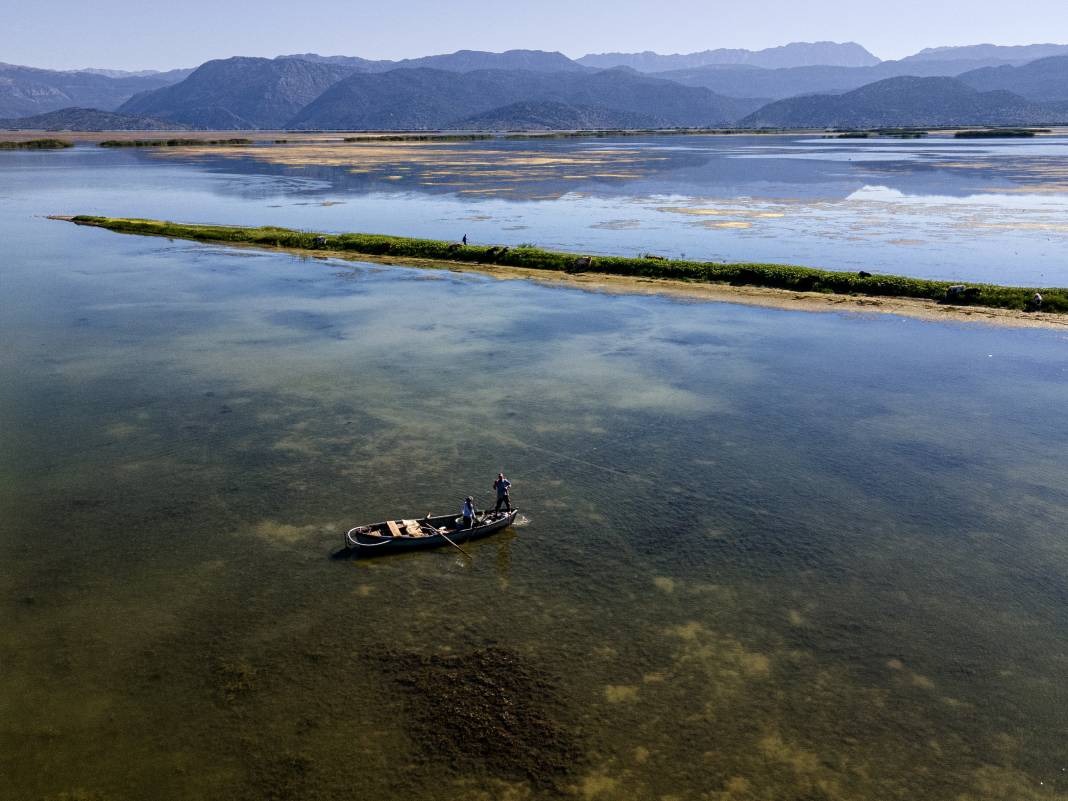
173 142
487 710
777 276
36 144
419 138
435 161
234 677
895 133
1000 133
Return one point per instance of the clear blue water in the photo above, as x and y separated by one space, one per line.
938 208
766 554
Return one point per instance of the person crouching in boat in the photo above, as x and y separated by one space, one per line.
468 513
501 485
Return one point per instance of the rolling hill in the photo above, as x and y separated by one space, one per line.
546 115
743 81
434 99
904 101
1045 80
990 55
87 119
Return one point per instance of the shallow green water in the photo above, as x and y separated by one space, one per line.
766 555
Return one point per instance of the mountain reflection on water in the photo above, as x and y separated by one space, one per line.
937 208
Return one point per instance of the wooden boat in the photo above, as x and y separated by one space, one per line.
428 532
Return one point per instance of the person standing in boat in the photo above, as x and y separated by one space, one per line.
468 513
501 485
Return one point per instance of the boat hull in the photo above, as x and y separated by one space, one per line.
366 541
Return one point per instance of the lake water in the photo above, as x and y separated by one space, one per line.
764 554
961 210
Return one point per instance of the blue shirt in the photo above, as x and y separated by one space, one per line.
502 485
468 510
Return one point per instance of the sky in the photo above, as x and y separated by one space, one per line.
134 34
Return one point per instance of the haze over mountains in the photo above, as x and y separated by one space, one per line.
796 54
25 91
460 61
797 85
427 99
906 102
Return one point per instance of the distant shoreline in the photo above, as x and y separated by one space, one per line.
282 137
772 285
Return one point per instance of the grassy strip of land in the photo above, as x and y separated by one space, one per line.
36 144
172 142
778 276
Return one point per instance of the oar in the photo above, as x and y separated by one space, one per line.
445 537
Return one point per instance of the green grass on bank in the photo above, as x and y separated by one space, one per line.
36 144
172 142
778 276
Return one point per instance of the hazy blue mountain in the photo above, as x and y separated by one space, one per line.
431 99
747 81
533 115
239 93
992 55
904 101
1045 80
25 91
355 63
460 61
173 76
471 60
88 119
796 54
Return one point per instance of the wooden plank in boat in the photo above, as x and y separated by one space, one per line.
394 531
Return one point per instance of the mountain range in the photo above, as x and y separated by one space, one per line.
25 91
795 54
460 61
906 102
434 99
1008 54
740 81
797 85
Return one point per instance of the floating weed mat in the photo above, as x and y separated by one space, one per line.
487 711
36 144
774 276
173 142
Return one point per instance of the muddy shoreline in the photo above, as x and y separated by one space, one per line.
726 293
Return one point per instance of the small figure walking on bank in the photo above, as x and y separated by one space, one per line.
501 485
1036 302
464 240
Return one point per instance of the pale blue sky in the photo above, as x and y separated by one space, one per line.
63 34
